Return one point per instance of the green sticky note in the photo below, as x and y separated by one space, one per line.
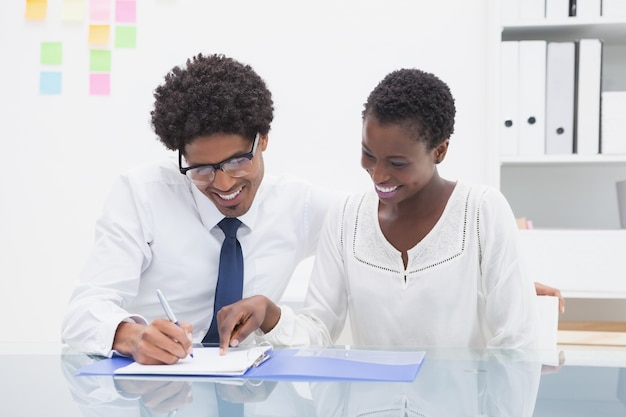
100 60
125 36
51 53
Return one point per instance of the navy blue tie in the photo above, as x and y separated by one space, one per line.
230 277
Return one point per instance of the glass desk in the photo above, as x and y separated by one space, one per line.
41 380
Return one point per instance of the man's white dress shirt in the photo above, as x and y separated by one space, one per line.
158 231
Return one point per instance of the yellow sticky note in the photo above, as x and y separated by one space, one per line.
99 34
51 53
36 9
73 10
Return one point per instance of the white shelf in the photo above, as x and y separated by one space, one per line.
583 255
563 160
604 295
608 30
581 263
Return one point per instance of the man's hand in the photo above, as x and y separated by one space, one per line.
235 322
161 342
543 289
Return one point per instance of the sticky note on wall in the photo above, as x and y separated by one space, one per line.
100 60
73 10
126 11
125 36
99 34
36 9
100 11
50 82
100 84
51 53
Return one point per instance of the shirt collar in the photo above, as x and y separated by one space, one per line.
211 216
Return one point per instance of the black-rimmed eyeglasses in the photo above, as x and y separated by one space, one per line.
204 174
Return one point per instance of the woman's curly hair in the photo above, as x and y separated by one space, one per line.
211 94
417 100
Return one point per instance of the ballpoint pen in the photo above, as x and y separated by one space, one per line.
168 310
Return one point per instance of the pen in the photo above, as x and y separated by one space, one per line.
168 310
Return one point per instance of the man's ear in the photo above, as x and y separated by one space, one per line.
263 142
441 150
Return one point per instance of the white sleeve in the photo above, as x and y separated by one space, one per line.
323 316
510 298
110 278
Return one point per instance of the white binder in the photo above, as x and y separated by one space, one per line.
613 122
614 8
560 84
557 9
588 8
532 91
589 81
509 97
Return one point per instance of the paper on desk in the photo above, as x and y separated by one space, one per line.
206 361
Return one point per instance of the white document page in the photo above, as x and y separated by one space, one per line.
206 361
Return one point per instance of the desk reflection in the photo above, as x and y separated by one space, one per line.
448 384
107 396
496 384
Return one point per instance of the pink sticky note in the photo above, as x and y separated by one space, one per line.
126 11
99 11
99 84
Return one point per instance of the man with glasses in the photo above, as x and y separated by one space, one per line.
162 230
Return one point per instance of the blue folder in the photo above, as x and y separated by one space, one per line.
310 365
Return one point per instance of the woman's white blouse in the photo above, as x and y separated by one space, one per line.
463 286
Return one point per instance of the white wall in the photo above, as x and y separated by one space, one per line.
320 59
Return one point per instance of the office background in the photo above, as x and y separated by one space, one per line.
61 151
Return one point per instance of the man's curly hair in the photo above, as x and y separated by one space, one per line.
211 94
417 100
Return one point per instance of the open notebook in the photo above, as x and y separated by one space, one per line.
206 361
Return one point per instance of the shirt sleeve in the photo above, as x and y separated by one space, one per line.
510 309
323 316
104 287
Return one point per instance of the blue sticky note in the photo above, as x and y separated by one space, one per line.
50 82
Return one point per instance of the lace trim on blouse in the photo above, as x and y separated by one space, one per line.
444 242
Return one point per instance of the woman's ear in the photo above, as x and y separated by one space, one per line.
441 150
